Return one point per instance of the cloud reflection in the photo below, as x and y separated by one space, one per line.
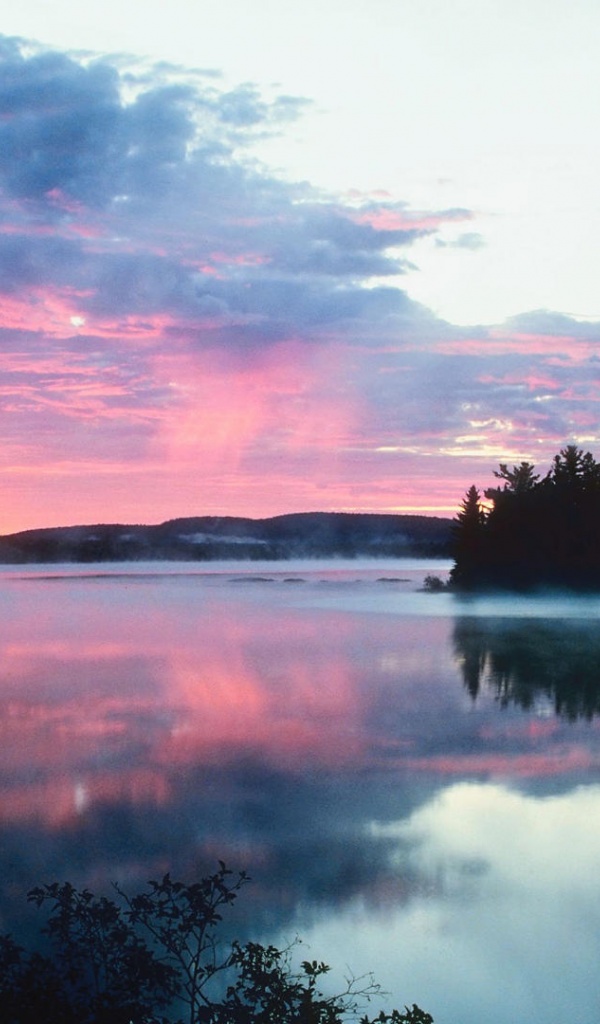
154 723
503 921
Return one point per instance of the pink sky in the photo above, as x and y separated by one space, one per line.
184 333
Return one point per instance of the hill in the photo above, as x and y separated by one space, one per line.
206 538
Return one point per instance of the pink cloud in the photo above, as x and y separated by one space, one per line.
533 381
395 219
184 332
528 765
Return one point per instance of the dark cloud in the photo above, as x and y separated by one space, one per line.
327 240
27 262
60 122
140 237
161 208
485 388
244 107
548 323
126 283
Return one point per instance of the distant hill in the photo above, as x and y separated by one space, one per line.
206 538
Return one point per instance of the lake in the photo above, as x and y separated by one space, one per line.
411 780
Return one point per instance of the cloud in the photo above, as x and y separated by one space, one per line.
245 107
170 190
468 240
142 241
486 879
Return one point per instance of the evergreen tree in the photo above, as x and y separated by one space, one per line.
468 532
537 531
511 536
572 514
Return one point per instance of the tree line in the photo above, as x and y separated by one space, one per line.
532 530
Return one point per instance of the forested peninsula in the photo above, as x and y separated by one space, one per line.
532 531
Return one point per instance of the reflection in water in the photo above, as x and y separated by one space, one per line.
531 661
153 723
505 884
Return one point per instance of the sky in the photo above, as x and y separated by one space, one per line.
278 257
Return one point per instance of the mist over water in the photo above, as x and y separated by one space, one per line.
412 780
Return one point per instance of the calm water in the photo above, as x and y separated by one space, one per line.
412 782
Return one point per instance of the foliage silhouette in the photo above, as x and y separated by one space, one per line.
433 584
536 531
468 538
156 958
525 661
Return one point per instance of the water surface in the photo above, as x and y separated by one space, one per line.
413 782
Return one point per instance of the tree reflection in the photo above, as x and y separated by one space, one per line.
527 661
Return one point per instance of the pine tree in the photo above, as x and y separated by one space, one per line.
468 533
537 532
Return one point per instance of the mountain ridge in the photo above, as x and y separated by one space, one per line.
206 538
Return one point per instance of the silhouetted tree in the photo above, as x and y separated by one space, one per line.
468 533
518 481
155 958
536 531
572 509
